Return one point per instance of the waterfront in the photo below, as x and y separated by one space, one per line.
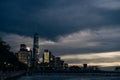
67 77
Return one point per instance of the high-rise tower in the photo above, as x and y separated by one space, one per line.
35 48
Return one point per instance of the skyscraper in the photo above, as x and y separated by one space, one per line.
24 55
46 56
35 48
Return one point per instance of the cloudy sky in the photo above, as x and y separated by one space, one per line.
79 31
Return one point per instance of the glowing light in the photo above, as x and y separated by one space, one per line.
28 48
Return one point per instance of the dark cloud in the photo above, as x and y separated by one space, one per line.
54 18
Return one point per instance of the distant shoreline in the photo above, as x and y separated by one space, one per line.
102 73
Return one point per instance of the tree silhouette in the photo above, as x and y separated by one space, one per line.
5 54
8 58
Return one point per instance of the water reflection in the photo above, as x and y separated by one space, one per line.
67 77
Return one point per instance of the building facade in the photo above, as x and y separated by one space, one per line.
52 62
24 55
35 49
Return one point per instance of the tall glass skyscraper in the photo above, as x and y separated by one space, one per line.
35 48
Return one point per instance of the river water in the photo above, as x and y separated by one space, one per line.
67 77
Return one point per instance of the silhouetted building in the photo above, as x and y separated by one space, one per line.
35 49
23 47
85 66
117 68
24 55
74 68
90 68
59 64
65 66
93 68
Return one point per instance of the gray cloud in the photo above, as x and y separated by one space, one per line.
108 4
83 42
87 41
14 40
54 18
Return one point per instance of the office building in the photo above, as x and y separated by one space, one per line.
52 62
35 49
85 66
47 56
24 55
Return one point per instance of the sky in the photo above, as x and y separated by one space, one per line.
79 31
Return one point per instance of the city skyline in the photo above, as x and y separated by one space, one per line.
80 31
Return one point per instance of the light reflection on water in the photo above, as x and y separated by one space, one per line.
67 77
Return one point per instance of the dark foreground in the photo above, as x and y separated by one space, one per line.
11 75
23 75
65 76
